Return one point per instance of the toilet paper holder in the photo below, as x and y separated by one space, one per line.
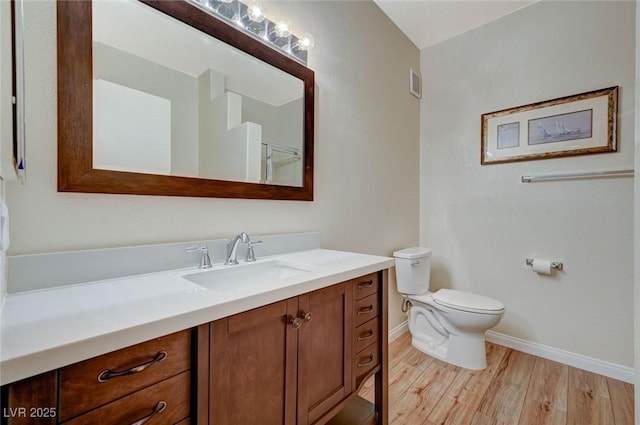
554 264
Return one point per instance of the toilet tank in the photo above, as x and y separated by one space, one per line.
413 270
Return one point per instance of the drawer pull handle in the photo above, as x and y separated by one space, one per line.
366 310
366 336
107 374
367 284
159 408
367 362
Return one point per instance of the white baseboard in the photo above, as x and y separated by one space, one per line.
611 370
397 331
579 361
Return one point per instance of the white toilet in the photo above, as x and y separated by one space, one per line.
448 324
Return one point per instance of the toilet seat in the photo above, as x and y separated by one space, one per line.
463 301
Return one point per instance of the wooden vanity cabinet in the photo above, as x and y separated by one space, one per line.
148 380
300 361
282 364
253 367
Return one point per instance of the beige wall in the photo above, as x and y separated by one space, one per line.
367 152
482 223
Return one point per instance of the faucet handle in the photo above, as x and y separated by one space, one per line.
205 260
251 255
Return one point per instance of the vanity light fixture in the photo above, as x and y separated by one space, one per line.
255 12
250 19
282 28
306 42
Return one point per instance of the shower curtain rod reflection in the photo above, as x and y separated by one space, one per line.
283 149
577 175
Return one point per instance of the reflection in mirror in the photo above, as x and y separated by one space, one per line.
159 136
170 100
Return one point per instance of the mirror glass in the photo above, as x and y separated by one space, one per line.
162 98
171 100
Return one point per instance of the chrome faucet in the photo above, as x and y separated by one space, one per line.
232 247
205 260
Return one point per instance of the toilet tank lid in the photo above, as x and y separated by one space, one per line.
414 252
467 301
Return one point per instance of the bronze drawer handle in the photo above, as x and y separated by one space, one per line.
367 284
366 336
107 374
366 310
367 363
159 408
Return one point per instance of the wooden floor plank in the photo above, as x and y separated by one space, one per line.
460 402
417 359
546 398
548 383
414 405
481 419
621 395
588 399
401 376
399 348
368 391
504 399
515 389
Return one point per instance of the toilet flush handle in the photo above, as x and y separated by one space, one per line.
415 263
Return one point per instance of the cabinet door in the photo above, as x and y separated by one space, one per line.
324 351
253 367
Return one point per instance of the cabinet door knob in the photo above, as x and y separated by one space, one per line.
307 317
107 374
296 322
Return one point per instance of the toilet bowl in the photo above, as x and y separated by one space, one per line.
446 324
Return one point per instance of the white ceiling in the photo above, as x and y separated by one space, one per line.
427 22
132 27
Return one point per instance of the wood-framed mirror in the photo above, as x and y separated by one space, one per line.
82 167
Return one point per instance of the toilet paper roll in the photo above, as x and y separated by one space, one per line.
541 266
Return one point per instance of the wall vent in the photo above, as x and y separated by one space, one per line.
415 84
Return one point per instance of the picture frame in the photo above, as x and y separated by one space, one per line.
581 124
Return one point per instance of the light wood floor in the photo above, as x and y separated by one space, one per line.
515 389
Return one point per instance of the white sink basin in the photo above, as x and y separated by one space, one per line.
244 275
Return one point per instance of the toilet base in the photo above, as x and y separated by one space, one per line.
429 346
465 351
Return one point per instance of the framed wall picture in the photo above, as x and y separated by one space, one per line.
581 124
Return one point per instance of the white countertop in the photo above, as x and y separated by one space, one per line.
47 329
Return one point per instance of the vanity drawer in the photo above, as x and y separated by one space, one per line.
365 285
366 309
366 334
366 360
166 402
145 363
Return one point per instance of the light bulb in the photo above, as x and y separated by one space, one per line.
306 42
282 28
255 12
